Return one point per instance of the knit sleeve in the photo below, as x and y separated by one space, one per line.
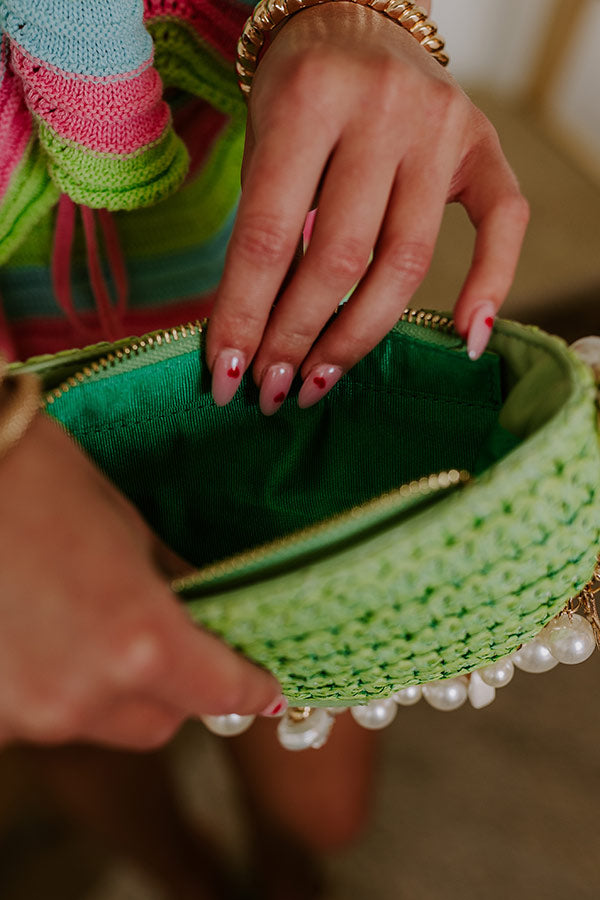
97 123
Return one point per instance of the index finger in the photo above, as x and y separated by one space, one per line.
281 181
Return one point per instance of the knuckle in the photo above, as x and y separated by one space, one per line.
311 69
292 341
140 658
261 240
343 262
408 262
516 207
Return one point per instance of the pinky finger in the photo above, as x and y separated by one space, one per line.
500 233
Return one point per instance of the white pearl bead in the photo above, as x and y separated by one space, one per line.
534 657
480 693
446 695
376 714
498 674
228 726
570 641
311 732
408 696
588 349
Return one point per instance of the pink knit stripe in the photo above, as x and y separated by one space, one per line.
33 337
218 24
110 117
15 123
120 137
130 94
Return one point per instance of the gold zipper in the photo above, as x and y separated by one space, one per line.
148 342
154 339
426 486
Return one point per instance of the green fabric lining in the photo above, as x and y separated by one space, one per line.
214 482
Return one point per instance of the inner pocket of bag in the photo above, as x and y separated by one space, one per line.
217 481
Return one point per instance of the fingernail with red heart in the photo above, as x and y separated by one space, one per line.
318 382
227 373
480 329
275 387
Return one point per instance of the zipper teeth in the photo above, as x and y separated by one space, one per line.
430 484
143 345
155 339
435 321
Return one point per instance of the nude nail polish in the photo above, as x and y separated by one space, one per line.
317 383
227 373
480 329
275 387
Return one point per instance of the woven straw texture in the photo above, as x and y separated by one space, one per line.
435 590
448 590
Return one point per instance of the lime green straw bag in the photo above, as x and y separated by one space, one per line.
426 519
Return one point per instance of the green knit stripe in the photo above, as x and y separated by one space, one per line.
195 213
187 218
186 62
115 182
31 194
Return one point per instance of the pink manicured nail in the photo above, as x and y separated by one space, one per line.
317 383
275 387
309 225
227 373
277 708
480 329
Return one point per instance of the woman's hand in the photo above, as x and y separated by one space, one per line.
346 103
93 645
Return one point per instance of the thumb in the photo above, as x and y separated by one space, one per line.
206 677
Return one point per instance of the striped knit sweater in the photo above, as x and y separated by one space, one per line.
121 134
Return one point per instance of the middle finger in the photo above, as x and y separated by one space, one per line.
351 210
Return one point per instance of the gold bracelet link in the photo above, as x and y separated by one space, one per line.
268 14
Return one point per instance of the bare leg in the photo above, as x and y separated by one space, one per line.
302 803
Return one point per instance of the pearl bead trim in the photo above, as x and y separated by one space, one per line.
570 638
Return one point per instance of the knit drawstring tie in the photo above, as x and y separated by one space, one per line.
109 314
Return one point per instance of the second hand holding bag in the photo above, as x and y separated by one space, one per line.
425 520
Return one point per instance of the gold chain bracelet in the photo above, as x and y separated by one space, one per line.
268 14
19 403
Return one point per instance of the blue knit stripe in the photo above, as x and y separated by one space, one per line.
27 290
97 38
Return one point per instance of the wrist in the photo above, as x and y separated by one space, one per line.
270 15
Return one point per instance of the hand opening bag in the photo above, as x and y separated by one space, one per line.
426 520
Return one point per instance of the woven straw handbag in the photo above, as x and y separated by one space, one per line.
425 520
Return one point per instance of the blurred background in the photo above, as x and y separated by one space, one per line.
500 802
534 69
